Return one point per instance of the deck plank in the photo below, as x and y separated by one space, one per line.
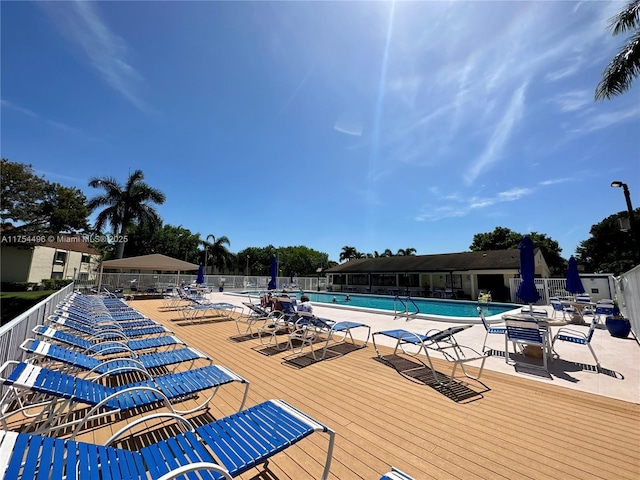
516 428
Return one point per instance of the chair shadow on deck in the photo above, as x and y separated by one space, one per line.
332 352
560 368
418 372
241 338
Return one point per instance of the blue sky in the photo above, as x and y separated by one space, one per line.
369 124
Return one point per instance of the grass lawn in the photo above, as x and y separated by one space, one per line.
13 304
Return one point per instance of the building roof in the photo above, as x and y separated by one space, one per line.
154 261
71 242
487 260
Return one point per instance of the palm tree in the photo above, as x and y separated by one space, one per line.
125 206
207 246
348 253
218 254
625 66
409 252
387 253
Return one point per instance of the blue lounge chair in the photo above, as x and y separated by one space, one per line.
442 341
59 393
97 345
396 474
109 330
80 361
222 449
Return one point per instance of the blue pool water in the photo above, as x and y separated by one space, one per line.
427 306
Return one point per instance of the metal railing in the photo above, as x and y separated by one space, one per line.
627 294
404 303
17 330
149 282
556 287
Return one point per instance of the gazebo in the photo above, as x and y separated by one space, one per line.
155 261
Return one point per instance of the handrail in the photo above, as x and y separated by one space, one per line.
405 307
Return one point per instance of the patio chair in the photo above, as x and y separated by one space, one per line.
97 345
256 314
603 310
312 328
526 331
396 474
579 338
558 306
491 330
54 395
442 341
47 352
225 448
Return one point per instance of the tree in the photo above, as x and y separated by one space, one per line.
500 239
348 253
217 253
125 206
609 249
406 252
39 207
504 239
625 65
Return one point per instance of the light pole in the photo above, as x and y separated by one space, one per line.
632 221
247 274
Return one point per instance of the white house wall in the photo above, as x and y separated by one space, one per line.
15 264
41 264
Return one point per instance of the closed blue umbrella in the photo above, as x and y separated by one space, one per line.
527 290
200 280
574 284
273 284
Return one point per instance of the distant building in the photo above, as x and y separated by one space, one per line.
67 256
459 275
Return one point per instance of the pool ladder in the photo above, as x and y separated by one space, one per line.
404 303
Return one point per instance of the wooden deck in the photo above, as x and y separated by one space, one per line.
508 427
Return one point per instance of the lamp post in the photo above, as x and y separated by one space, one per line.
247 274
632 221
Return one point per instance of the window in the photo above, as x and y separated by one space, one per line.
86 258
60 258
56 275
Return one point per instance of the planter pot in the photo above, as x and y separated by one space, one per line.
618 327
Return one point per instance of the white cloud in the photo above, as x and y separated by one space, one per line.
501 134
106 51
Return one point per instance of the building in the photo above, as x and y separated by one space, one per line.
459 275
68 257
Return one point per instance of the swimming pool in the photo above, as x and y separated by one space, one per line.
429 307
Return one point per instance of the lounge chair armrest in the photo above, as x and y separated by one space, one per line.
195 467
148 418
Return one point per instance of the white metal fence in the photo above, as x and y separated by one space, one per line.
148 282
20 328
598 286
627 292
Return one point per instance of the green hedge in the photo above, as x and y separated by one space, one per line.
18 286
55 283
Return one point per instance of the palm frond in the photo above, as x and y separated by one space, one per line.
627 19
622 71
